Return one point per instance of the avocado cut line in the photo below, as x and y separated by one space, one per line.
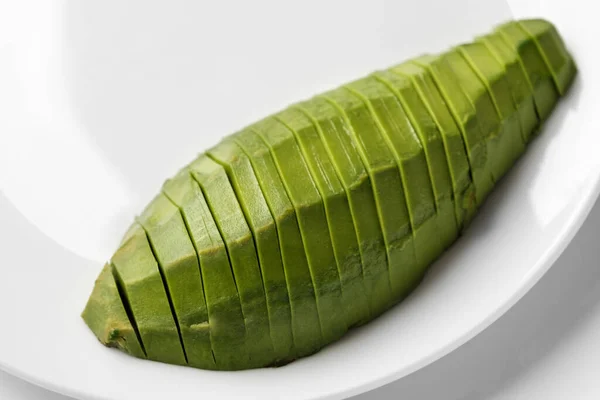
429 137
167 291
127 306
225 247
276 227
303 155
545 91
420 136
494 76
543 55
240 246
506 41
106 317
385 135
187 228
415 234
483 81
387 186
459 190
452 112
261 222
252 234
496 55
467 141
337 172
335 135
227 329
402 102
147 296
316 185
252 298
326 184
324 298
479 100
346 119
493 138
302 298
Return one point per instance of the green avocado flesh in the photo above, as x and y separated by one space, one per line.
174 251
225 319
333 130
421 92
545 91
285 235
312 220
337 209
261 222
239 243
464 113
518 82
306 327
383 171
109 319
142 284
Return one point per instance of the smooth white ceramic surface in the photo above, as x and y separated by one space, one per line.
102 101
544 348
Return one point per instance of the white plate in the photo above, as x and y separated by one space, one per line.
101 101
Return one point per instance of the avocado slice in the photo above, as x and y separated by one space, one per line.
489 121
306 325
493 76
458 162
312 219
387 185
430 138
334 133
225 319
142 286
239 242
260 220
174 251
544 91
407 150
467 120
553 50
337 209
109 319
519 83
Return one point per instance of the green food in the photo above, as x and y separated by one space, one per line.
333 131
239 244
278 240
337 209
545 92
259 217
306 327
174 251
370 142
422 130
225 322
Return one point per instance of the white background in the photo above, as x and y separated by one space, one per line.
543 348
546 347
